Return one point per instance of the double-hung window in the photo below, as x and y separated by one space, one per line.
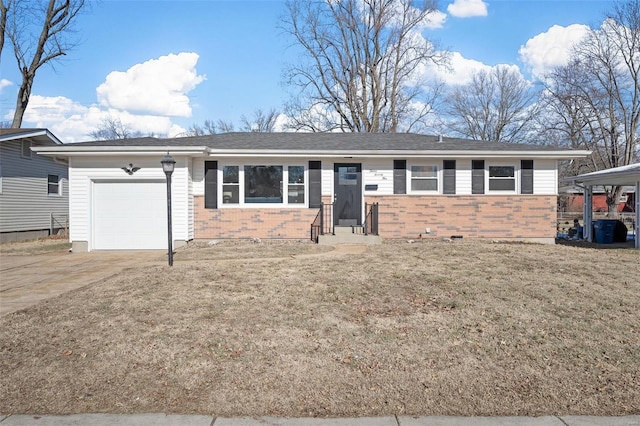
252 184
502 178
424 178
230 184
53 185
296 185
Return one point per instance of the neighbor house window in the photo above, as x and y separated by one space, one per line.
26 149
502 178
231 184
53 185
424 178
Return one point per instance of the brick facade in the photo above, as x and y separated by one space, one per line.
486 216
401 216
268 223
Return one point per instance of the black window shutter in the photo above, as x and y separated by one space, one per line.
526 177
210 184
477 176
449 177
315 184
399 176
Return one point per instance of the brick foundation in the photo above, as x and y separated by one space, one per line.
401 216
485 216
268 223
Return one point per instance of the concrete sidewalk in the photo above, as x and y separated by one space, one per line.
196 420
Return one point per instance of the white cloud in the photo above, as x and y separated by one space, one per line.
460 70
144 98
435 19
467 8
552 48
5 83
157 87
73 122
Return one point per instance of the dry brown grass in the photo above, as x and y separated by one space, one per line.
38 246
462 328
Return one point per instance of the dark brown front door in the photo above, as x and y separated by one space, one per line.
347 194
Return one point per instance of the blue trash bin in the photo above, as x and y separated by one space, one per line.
604 230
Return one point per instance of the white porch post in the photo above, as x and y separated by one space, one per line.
587 213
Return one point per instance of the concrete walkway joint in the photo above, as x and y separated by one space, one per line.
161 419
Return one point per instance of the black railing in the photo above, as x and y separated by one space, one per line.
322 223
371 219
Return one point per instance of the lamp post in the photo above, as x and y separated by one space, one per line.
168 164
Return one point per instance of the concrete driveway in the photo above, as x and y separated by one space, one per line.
26 280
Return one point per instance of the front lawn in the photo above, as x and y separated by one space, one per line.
430 328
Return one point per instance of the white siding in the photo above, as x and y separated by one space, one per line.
191 218
24 201
378 172
545 177
198 175
463 177
85 170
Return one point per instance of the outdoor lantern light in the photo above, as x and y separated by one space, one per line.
168 164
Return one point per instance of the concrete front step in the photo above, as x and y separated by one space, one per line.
348 235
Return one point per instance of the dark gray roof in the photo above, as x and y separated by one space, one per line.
324 141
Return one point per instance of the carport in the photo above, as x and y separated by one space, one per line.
624 175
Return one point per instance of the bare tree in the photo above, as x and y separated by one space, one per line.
596 98
5 6
112 128
496 105
261 122
21 21
363 62
210 128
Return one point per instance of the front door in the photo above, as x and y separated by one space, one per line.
347 209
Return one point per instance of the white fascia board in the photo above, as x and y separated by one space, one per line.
557 155
624 175
33 134
109 151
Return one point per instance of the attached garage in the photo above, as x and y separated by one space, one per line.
129 215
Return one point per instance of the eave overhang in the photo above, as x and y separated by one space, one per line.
31 134
203 151
624 175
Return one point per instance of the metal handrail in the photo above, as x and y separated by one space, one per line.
321 225
371 219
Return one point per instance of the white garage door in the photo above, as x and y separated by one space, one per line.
129 215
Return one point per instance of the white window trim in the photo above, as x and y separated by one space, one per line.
285 190
487 178
438 177
54 194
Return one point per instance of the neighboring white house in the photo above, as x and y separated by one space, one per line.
274 185
34 192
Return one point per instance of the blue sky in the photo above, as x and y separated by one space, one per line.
163 65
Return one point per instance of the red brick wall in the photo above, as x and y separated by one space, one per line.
252 223
401 216
488 216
